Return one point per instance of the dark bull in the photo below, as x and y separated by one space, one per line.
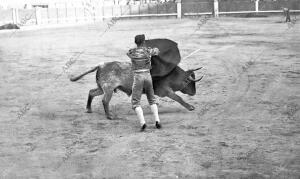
114 76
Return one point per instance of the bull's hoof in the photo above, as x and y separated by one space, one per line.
110 117
116 117
191 108
88 111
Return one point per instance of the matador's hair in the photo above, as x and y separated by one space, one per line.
139 39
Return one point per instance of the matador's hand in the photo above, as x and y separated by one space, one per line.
156 51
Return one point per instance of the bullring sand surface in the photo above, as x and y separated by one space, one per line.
246 123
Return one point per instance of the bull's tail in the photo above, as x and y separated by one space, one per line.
85 73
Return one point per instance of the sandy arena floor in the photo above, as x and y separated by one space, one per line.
246 123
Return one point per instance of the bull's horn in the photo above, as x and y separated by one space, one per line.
195 69
190 78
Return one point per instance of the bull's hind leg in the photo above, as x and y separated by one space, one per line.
108 92
92 94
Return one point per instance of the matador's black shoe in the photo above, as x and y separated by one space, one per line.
143 127
157 125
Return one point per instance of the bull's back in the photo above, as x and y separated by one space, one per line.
115 74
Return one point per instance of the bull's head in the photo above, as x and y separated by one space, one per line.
190 82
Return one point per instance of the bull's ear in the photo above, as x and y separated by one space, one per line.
189 73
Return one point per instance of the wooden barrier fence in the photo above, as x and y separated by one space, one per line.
175 9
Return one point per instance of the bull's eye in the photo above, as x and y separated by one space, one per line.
187 82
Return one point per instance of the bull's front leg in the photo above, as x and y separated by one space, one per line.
177 98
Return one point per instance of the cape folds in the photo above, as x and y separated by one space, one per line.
168 58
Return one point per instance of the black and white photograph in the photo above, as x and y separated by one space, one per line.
134 89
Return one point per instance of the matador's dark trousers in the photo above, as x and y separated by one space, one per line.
142 80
